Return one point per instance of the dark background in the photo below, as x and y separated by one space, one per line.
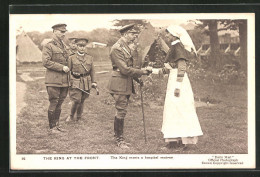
184 6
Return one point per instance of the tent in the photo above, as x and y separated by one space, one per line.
26 50
152 49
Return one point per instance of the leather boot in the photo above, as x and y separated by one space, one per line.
80 111
57 116
116 127
120 139
74 107
57 120
51 118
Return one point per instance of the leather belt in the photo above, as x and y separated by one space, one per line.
86 74
81 75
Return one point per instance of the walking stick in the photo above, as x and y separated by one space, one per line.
142 104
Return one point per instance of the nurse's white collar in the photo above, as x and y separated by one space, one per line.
175 42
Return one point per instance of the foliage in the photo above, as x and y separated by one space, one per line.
198 37
139 24
102 35
154 89
229 74
155 57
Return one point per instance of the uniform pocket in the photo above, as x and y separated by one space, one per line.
75 83
53 77
58 56
118 84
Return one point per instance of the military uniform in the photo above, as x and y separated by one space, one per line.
54 58
82 78
71 50
120 84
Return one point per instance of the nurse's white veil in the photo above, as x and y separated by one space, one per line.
184 37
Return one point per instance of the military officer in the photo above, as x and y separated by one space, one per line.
55 59
72 46
120 84
82 78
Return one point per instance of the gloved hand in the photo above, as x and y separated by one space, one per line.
65 69
94 85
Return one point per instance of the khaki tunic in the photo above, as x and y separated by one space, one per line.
88 76
121 81
54 58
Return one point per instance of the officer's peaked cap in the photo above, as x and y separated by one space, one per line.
81 41
61 27
128 28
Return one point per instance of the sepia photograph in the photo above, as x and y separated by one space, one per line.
132 91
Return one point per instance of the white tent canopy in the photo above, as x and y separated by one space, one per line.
26 50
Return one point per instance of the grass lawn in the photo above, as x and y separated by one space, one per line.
224 125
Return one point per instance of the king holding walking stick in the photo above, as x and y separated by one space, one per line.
120 85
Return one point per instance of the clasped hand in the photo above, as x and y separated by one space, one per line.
65 69
147 70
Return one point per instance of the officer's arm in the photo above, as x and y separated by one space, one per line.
46 59
92 72
117 57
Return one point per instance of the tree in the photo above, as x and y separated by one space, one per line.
211 28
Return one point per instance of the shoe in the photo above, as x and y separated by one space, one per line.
61 129
53 131
69 119
171 146
123 145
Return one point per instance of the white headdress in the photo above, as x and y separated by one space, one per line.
184 37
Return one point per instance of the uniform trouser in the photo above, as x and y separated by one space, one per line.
77 98
121 103
56 97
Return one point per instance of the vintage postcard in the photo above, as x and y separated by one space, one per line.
132 91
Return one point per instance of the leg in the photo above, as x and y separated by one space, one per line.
81 105
62 96
75 97
121 106
74 107
53 93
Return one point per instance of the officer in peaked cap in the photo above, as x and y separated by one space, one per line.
120 85
81 41
82 78
128 28
60 27
72 45
55 59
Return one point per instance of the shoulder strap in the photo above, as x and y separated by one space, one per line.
122 47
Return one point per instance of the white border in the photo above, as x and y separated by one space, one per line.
178 161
